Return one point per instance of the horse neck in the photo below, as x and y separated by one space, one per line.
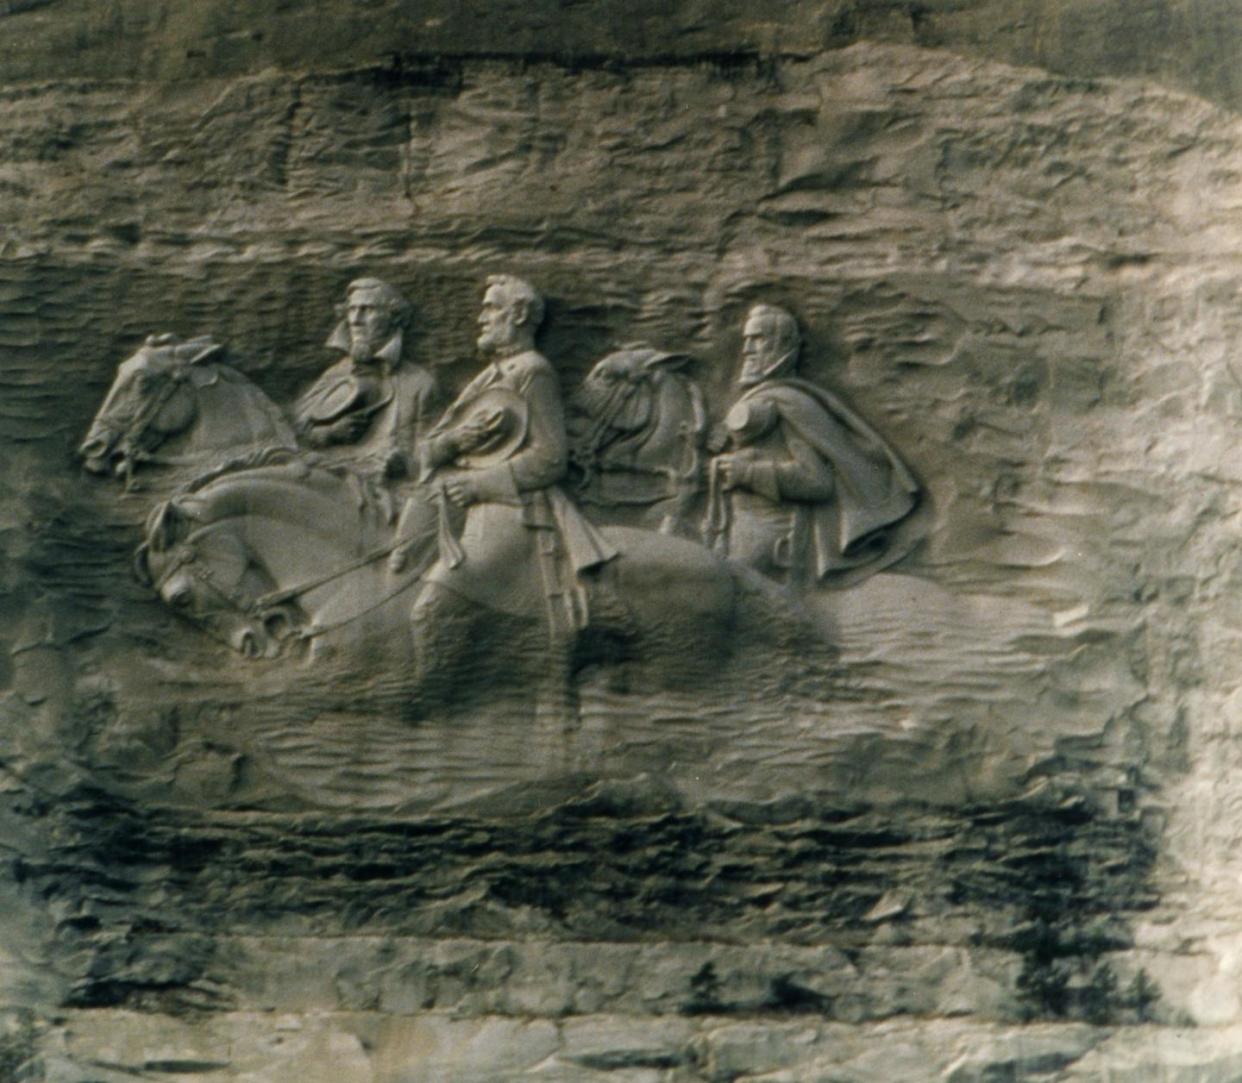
289 555
662 440
295 528
232 415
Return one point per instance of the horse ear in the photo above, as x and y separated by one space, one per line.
202 350
204 377
205 349
628 362
165 526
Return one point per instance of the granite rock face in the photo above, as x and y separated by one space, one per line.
988 834
1184 44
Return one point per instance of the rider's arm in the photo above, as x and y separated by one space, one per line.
798 472
542 460
805 474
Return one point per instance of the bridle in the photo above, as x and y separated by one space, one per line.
128 442
185 557
616 399
128 445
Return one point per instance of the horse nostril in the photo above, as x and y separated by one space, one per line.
248 645
278 625
181 598
94 454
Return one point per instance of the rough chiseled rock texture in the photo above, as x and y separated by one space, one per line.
993 841
1188 44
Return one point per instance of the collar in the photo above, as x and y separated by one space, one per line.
506 366
388 355
767 383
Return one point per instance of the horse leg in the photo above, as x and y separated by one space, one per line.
466 654
556 693
443 626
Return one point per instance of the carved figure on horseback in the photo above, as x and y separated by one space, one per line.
480 568
292 557
374 404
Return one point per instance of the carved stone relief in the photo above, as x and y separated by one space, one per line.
639 434
176 404
923 417
801 487
792 614
416 532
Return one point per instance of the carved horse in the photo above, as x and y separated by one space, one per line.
265 557
174 403
639 429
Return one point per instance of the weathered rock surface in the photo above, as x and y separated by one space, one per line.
992 837
110 1047
1184 44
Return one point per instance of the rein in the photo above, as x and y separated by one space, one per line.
319 629
277 597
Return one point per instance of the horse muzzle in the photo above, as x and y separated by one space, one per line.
253 643
268 636
98 452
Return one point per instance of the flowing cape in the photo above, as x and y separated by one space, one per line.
874 489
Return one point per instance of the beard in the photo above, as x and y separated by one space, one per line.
764 368
492 341
754 371
363 345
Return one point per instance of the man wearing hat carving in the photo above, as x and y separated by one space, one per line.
510 538
372 400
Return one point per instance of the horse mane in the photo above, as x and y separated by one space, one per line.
268 456
315 473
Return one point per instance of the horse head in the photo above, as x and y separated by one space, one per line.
200 565
180 389
618 394
634 410
152 399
